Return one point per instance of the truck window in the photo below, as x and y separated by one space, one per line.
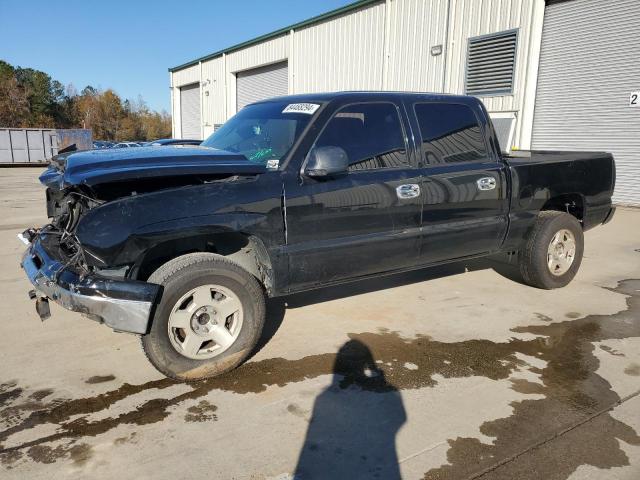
450 133
261 132
370 133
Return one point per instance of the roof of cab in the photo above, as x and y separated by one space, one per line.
364 95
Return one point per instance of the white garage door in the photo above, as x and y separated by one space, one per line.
190 111
589 66
260 83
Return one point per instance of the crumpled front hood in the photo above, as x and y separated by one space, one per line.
94 167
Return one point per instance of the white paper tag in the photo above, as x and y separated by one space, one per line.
23 239
273 164
308 108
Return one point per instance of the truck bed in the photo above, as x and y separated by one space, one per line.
583 181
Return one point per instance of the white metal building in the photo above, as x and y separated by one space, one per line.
554 74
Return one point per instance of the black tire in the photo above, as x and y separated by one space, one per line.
177 277
532 259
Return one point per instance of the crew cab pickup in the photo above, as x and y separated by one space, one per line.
181 244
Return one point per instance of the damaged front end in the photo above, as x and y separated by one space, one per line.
124 305
56 264
103 208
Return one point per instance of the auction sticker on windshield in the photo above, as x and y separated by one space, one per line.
308 108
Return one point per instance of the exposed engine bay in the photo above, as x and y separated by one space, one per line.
65 208
68 204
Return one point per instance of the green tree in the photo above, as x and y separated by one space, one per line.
31 98
14 106
40 95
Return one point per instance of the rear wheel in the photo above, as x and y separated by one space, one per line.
208 320
553 250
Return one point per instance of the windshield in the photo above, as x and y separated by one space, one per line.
262 132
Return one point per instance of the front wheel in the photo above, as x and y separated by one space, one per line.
553 250
209 318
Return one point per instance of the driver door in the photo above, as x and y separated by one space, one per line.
366 220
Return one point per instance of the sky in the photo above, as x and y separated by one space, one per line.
129 45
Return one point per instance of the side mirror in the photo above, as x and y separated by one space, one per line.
326 162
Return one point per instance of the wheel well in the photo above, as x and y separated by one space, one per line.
247 251
571 203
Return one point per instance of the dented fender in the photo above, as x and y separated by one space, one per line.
122 231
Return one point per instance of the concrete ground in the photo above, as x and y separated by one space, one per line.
458 373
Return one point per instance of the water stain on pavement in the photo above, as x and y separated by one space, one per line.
295 409
571 387
611 351
40 394
202 412
633 370
99 379
80 454
126 439
543 317
574 393
9 392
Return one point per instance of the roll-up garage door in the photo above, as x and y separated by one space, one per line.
260 83
190 111
589 67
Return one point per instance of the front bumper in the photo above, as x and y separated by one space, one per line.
124 305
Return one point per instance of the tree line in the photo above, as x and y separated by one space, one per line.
32 99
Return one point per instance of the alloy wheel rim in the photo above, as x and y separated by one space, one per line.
561 252
205 322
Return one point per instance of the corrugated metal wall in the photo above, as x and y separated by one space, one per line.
344 53
589 66
383 46
415 26
186 76
269 51
213 83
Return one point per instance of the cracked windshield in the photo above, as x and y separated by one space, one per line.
262 132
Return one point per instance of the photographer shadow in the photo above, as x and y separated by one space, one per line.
354 423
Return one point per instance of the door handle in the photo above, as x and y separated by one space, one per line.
410 190
486 183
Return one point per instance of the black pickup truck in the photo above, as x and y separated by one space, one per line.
181 245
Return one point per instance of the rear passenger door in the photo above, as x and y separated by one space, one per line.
465 206
364 221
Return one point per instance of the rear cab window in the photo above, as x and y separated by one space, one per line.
450 134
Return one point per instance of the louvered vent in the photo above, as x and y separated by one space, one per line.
491 62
